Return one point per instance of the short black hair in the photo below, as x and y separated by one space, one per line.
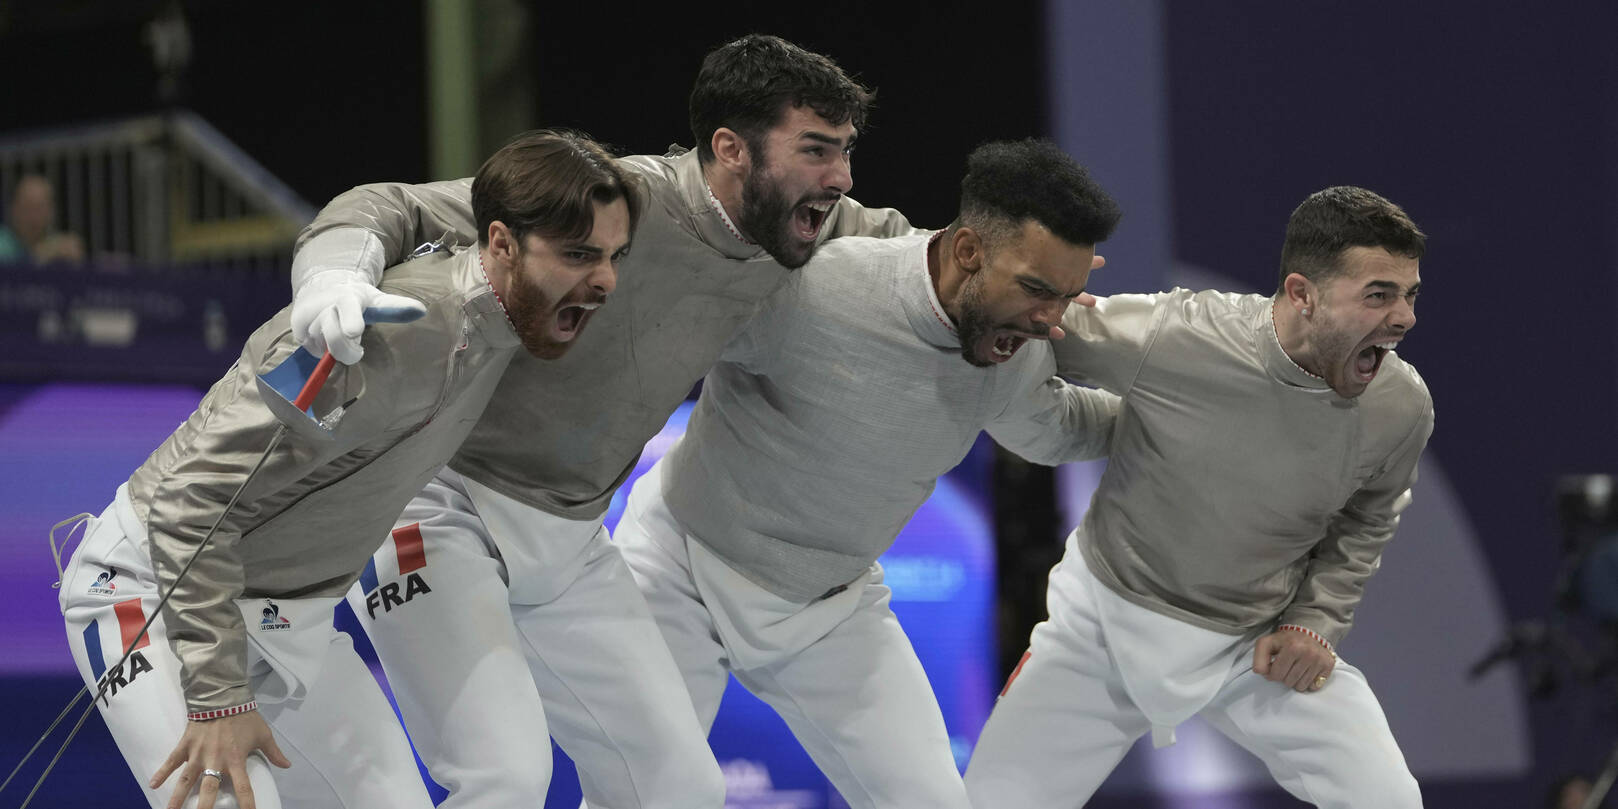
547 182
747 85
1332 220
1010 182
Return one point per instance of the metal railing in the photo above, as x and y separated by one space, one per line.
165 190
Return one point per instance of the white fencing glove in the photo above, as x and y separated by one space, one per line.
335 274
330 310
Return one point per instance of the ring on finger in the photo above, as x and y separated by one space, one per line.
1320 682
213 774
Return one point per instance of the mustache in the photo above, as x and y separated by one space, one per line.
1032 329
808 198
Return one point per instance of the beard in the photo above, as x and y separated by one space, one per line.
974 323
766 216
1334 350
531 312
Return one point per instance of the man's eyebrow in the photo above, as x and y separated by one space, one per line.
1393 286
1045 286
830 140
585 247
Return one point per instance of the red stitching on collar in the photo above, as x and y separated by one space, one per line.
932 294
724 218
495 292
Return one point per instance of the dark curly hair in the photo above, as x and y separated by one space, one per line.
746 85
1010 182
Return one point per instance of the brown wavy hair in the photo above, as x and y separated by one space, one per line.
548 182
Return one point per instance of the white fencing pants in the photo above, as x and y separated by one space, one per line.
500 625
840 671
1066 718
326 710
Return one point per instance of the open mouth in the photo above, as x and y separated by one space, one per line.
1005 345
808 217
1369 360
570 320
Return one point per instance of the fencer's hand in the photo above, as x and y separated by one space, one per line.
330 310
1085 298
1293 659
218 744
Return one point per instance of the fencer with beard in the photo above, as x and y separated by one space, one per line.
826 424
533 626
1264 451
243 657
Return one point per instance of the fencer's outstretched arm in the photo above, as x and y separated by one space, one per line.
340 256
1106 343
1052 421
850 218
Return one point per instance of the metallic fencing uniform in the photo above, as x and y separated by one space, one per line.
536 606
824 427
252 618
1242 492
686 285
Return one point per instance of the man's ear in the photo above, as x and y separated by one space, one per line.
730 150
503 246
967 246
1301 294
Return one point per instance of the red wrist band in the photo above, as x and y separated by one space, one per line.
217 713
1307 631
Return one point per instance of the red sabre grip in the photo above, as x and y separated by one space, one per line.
317 378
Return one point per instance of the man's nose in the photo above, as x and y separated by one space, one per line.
1403 315
840 177
1050 313
604 278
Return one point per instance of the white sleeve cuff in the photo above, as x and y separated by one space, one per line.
349 249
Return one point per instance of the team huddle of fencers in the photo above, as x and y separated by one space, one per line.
1260 450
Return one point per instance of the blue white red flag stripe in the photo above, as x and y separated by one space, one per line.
92 649
407 542
368 575
408 550
130 620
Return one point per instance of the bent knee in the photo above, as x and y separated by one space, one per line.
678 780
1376 785
507 783
697 784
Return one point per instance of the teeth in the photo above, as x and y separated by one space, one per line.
585 306
1388 346
999 352
821 206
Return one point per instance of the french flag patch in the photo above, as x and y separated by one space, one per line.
130 619
408 551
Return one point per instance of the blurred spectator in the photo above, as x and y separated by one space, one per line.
1569 792
29 232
